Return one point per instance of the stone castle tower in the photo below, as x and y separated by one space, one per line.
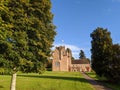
62 59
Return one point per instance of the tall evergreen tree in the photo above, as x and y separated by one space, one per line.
114 74
41 31
5 33
26 34
101 51
82 55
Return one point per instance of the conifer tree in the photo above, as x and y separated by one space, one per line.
82 55
26 34
101 51
114 74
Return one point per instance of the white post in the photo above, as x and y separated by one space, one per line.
13 82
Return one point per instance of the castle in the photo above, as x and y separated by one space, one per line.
62 61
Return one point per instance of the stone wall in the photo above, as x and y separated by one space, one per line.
80 68
62 61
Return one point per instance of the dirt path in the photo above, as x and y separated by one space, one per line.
96 85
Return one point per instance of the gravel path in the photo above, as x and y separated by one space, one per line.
97 85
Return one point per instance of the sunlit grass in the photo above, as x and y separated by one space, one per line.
5 82
47 81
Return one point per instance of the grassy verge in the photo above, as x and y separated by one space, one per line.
47 81
104 81
5 82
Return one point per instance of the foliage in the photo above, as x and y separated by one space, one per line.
112 85
49 65
101 51
72 58
26 34
41 31
5 71
2 71
115 64
82 55
88 60
105 55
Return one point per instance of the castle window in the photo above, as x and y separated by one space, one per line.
57 64
63 53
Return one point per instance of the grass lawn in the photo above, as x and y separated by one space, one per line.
5 82
47 81
103 79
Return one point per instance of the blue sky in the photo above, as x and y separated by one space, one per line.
76 19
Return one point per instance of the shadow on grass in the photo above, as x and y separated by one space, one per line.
96 77
56 77
98 84
1 86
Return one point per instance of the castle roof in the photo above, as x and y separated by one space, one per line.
80 61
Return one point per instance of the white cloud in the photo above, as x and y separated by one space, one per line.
75 49
72 47
75 54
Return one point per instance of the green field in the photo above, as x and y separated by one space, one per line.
104 81
47 81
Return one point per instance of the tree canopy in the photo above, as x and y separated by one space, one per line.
115 64
26 33
101 50
82 55
105 55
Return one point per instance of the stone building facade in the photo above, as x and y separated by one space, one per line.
62 61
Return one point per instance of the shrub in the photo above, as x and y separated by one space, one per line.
2 71
5 71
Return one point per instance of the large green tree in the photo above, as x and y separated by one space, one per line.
101 51
5 33
114 74
82 55
26 34
41 32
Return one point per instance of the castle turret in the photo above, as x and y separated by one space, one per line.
61 59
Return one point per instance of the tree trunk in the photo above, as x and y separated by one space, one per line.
13 81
